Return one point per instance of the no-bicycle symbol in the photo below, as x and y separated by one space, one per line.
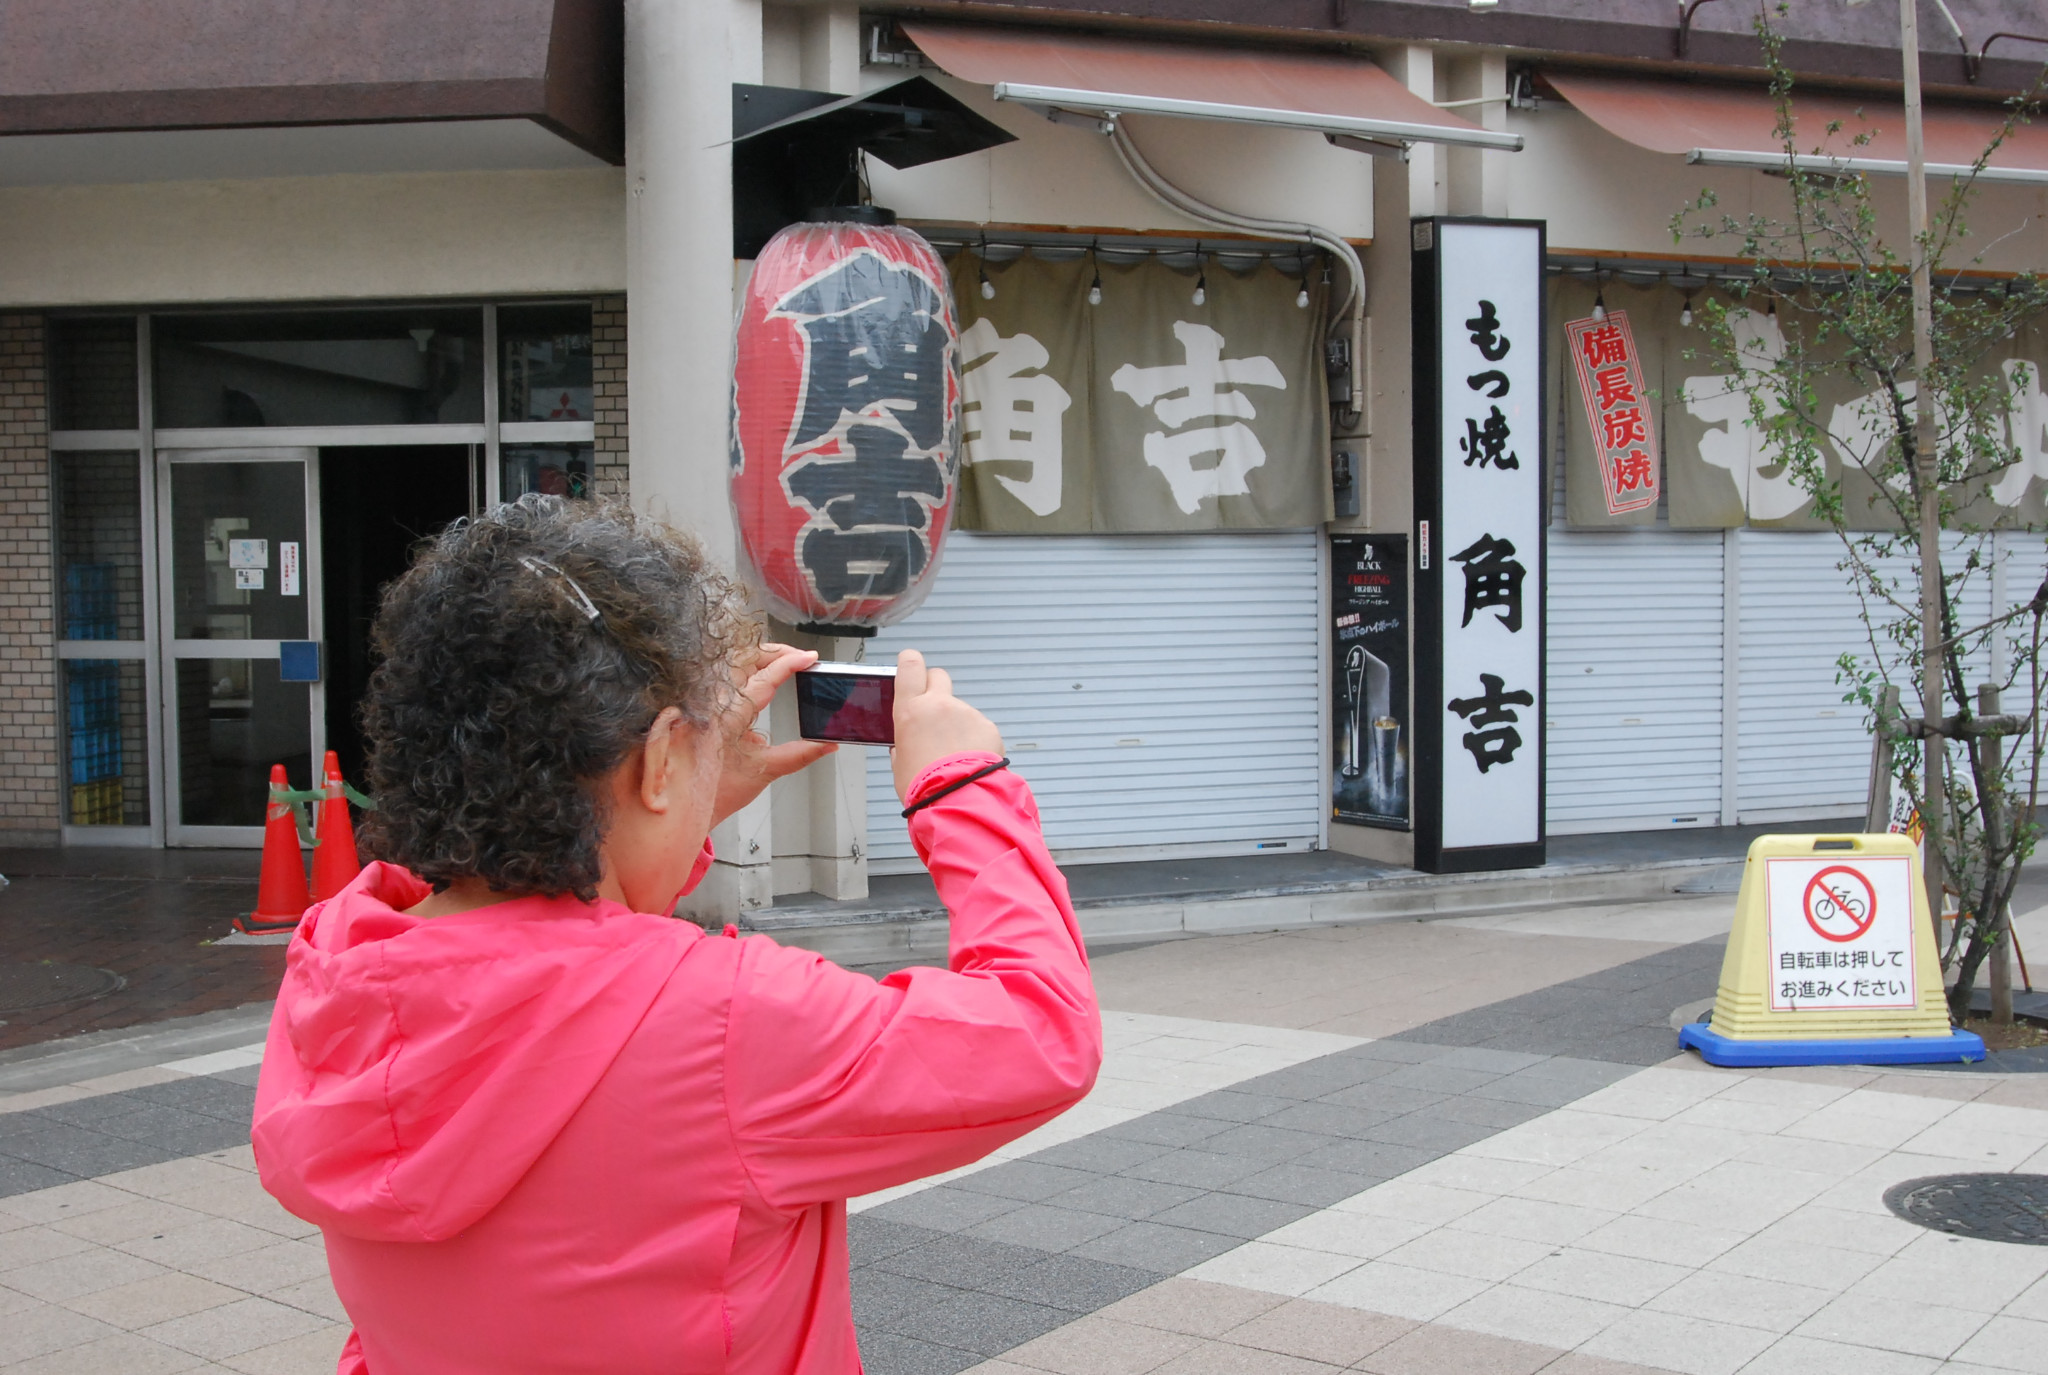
1840 903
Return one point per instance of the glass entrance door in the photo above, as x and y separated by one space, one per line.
241 607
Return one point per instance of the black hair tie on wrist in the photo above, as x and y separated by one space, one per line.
955 787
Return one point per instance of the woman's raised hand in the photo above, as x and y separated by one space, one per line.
750 762
931 723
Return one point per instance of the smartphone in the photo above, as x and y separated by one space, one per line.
854 704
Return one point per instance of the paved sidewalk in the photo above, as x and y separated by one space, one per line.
1396 1148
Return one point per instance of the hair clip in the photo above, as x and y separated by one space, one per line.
542 568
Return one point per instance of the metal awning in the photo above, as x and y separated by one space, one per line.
1735 126
1339 96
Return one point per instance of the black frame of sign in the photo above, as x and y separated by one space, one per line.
1426 343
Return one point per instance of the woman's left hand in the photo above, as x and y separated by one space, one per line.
750 762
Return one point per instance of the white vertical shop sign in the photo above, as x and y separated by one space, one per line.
1479 455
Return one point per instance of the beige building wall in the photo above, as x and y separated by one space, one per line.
339 237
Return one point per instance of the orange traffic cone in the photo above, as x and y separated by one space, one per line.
281 897
335 864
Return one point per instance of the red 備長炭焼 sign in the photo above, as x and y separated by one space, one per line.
845 423
1610 375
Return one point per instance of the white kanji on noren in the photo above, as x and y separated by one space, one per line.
1205 386
1012 412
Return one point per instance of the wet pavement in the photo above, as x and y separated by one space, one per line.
146 916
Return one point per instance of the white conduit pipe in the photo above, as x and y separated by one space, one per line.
1178 200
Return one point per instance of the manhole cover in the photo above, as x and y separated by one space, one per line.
1991 1207
25 986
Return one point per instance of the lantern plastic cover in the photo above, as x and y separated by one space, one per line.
845 424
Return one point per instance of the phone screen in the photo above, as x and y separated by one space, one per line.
853 708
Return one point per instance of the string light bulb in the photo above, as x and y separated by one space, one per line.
988 288
1201 283
1095 286
1600 304
1301 297
1685 312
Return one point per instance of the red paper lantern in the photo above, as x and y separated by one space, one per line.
846 423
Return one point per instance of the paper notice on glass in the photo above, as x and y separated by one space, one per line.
288 568
248 553
248 580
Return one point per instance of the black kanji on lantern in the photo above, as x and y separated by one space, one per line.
1486 336
877 343
877 502
1493 577
1493 739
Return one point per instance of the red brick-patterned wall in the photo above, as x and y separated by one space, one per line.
30 800
608 376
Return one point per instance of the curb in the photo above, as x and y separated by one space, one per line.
854 935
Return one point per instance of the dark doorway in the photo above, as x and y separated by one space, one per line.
376 505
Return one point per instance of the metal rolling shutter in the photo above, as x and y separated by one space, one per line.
1159 692
1804 752
1634 664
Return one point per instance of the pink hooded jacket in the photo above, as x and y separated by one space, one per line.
549 1136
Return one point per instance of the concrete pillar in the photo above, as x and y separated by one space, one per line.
1476 178
682 57
831 49
1414 65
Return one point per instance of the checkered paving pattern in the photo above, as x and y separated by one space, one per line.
1531 1184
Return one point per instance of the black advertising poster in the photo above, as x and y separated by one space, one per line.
1369 658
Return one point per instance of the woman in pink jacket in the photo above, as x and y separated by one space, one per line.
543 1125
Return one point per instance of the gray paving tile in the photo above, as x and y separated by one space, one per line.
79 1150
942 1208
1268 1145
1025 1180
87 1112
1125 1197
1232 1106
879 1295
1074 1283
1595 1074
885 1353
1385 1099
175 1129
1381 1158
1102 1154
1489 1061
1156 1246
1542 1093
1395 1051
869 1238
960 1261
246 1076
1429 1131
1488 1112
1436 1077
1202 1169
1234 1215
987 1324
205 1093
1329 1118
1298 1183
24 1177
1165 1128
1045 1227
1318 1077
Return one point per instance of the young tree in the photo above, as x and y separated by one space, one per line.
1819 328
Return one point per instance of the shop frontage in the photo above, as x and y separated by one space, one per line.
1223 594
230 491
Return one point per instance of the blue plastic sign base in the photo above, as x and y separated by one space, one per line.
1717 1049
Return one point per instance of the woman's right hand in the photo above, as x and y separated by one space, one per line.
931 723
